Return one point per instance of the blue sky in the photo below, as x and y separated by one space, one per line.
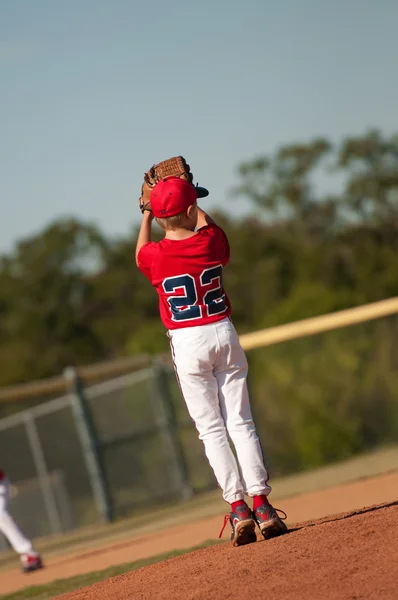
93 92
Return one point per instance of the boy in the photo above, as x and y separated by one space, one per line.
30 560
211 367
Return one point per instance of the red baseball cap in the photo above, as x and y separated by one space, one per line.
171 196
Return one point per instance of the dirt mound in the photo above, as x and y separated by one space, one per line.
347 556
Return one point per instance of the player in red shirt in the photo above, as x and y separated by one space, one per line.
186 270
30 559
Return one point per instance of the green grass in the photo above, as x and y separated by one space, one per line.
62 586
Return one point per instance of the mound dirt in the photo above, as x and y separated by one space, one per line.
350 556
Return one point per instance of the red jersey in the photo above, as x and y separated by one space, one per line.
187 275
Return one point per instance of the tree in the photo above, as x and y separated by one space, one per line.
125 302
282 187
371 194
45 300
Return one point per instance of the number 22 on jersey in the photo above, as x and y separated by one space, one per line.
184 301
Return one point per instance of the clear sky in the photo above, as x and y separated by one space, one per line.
93 92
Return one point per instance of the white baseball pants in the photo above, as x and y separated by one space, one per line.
8 526
211 368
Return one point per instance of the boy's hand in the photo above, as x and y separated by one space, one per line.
147 214
144 201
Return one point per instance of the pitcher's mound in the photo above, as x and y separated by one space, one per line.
344 557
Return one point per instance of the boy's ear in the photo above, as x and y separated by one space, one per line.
191 209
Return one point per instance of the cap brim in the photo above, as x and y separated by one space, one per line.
201 191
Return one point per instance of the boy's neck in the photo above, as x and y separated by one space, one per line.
179 234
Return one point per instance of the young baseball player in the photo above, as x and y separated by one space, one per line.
186 270
30 559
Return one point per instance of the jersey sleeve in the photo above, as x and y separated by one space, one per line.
221 244
145 259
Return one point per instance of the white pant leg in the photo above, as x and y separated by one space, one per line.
8 526
194 353
231 373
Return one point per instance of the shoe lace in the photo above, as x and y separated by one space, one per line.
226 519
279 510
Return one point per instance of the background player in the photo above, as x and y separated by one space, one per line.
30 559
186 270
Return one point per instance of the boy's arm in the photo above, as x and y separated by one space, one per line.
204 219
145 234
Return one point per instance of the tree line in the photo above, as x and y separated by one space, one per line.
322 236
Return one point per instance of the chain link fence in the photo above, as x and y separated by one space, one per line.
99 452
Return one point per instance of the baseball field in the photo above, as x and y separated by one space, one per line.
342 544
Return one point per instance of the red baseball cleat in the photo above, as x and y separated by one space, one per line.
269 522
242 525
31 562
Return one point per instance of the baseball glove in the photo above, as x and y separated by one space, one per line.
172 167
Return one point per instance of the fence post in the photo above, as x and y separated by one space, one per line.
42 473
90 445
167 423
